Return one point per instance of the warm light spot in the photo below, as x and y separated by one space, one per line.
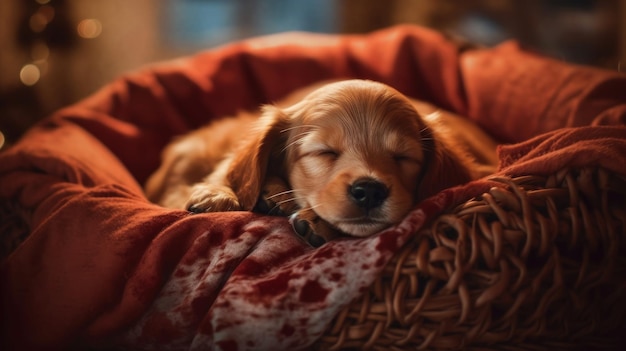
47 12
30 74
39 51
38 22
89 28
1 140
40 19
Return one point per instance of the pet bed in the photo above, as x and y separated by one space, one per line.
531 258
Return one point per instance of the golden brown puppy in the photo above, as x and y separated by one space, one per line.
355 153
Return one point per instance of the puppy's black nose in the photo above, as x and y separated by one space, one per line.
368 193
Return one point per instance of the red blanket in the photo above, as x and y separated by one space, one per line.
104 267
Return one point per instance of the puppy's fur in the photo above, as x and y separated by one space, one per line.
356 153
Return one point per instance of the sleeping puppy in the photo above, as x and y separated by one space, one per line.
352 157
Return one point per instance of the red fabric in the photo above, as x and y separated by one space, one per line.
105 267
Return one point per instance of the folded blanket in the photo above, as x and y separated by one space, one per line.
102 267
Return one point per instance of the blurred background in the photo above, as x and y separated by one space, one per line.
55 52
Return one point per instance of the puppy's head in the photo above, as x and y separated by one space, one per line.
355 152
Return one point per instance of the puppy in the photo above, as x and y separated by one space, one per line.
355 156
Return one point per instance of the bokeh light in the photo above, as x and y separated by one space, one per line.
39 51
30 74
89 28
40 19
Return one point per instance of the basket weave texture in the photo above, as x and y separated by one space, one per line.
538 263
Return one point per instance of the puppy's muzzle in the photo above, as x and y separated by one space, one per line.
368 193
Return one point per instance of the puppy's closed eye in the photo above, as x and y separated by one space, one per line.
328 154
355 153
319 150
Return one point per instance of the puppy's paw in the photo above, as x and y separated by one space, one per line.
315 231
276 199
212 198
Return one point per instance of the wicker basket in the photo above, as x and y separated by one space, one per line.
539 263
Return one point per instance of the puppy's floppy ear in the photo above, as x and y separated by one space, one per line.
248 169
445 166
